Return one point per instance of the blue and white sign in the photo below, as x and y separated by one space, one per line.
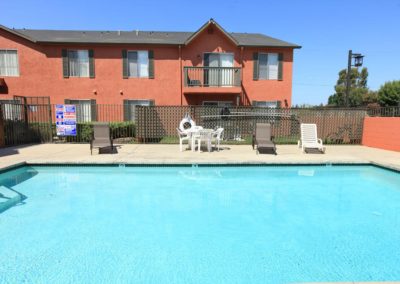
66 120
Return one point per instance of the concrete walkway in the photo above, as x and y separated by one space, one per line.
170 154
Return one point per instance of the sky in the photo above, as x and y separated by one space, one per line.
326 29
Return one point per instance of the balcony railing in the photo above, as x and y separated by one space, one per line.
212 76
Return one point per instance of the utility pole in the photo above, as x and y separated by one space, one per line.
346 99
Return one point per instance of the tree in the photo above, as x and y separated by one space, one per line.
389 94
359 93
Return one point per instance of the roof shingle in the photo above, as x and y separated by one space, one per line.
138 37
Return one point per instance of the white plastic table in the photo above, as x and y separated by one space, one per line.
199 133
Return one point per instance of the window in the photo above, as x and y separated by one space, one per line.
78 63
11 109
85 109
268 66
267 104
9 63
138 64
218 103
129 108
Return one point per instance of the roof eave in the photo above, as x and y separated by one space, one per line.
271 46
105 43
14 32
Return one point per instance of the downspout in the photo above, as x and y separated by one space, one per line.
180 72
241 73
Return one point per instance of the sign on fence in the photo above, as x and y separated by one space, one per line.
66 120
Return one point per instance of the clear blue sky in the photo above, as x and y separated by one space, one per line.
326 29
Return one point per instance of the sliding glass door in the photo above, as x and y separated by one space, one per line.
226 60
217 75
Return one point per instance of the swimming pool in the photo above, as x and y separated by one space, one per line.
253 224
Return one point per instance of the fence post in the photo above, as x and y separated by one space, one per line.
26 136
2 138
50 124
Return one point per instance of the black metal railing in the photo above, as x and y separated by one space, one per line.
385 111
212 76
35 123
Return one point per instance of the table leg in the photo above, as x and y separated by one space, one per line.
193 144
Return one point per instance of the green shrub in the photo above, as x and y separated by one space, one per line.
389 94
124 129
84 131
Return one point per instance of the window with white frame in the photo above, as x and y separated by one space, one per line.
130 105
267 104
268 66
138 64
83 110
78 63
9 62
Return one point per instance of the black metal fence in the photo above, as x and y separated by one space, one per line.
35 123
26 121
385 111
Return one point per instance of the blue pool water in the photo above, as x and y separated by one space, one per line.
201 225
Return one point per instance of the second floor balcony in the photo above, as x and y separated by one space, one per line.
212 79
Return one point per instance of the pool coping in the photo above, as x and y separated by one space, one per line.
199 164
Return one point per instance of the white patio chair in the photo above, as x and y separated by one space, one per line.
192 133
217 136
309 138
183 136
202 136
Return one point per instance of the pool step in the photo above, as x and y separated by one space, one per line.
9 198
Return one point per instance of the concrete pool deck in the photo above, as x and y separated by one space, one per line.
170 154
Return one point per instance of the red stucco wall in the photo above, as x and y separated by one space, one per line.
41 73
382 132
268 90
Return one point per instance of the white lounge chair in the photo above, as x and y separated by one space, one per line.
309 138
217 136
183 136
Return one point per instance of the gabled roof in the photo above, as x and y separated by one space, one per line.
206 25
141 37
